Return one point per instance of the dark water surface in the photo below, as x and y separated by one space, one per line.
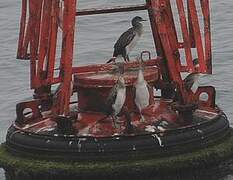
95 38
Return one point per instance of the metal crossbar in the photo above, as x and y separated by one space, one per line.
92 11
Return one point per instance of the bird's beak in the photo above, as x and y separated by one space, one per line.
143 20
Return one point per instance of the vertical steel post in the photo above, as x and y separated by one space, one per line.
152 11
67 55
197 35
21 41
207 31
184 27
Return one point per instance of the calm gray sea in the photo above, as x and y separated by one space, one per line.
95 36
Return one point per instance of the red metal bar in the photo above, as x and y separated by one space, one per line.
157 40
108 67
197 36
33 21
20 54
171 33
207 32
67 55
173 26
111 10
24 35
163 32
38 24
44 39
53 40
26 41
191 31
186 44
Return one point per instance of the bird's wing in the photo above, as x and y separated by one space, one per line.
111 99
125 39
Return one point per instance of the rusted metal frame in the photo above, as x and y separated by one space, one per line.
164 35
152 11
52 41
48 82
197 36
152 14
210 90
24 37
170 14
25 53
20 54
184 28
92 11
33 18
108 67
184 68
171 34
67 56
191 31
207 32
37 20
33 106
169 55
38 24
175 74
44 41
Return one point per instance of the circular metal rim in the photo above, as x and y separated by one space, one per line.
202 158
143 146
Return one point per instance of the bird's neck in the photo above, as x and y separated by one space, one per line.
138 27
140 76
121 84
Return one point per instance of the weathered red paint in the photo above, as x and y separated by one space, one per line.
207 31
186 44
39 30
22 30
93 87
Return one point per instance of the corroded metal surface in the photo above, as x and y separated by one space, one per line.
96 124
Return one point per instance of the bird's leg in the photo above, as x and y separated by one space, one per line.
129 126
115 119
142 119
127 58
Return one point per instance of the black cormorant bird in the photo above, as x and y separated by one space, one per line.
128 40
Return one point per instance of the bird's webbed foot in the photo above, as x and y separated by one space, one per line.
126 58
142 118
116 122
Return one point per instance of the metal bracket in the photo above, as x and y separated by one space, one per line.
27 111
